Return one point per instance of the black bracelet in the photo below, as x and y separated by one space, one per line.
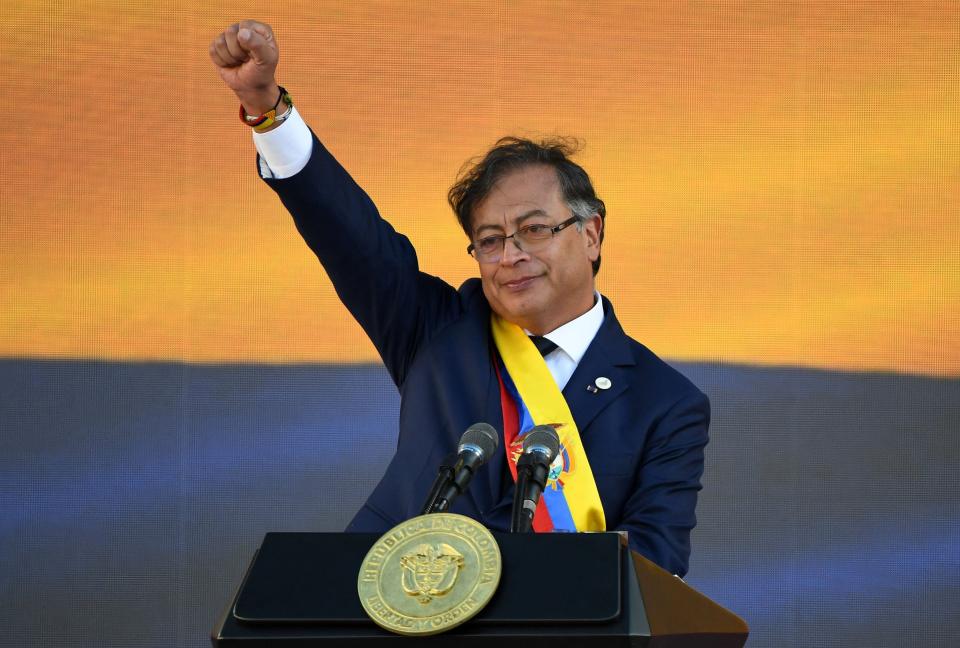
256 120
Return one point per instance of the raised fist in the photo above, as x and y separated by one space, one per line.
246 56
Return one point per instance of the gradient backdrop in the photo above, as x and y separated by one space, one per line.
177 376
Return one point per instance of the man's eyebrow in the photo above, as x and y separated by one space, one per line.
530 214
487 227
519 219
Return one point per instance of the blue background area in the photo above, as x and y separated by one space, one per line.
134 495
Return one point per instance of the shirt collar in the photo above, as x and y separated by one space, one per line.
575 336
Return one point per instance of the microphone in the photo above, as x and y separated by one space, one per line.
476 447
540 447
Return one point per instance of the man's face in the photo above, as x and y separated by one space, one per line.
540 290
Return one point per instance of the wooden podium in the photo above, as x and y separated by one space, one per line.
557 590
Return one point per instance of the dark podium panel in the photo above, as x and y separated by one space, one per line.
556 590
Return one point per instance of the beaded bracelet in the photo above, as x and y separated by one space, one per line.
262 122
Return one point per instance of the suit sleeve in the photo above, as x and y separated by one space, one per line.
373 268
659 513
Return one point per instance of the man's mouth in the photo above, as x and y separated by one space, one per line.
520 283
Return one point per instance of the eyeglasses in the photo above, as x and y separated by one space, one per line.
529 238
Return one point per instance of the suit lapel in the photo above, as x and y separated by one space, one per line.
493 474
609 357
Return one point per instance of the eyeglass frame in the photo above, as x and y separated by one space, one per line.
556 229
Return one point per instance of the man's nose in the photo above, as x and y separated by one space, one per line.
512 252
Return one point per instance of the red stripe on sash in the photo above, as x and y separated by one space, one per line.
511 428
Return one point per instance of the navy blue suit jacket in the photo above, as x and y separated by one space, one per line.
644 436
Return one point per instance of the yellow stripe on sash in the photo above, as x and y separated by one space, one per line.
547 406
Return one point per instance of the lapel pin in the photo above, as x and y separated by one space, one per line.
592 389
603 382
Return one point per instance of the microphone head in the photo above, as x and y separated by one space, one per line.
544 440
481 439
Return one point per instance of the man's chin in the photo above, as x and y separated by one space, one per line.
519 311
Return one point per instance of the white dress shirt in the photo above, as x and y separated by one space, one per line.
286 149
572 340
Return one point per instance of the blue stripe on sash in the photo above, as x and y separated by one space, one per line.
556 503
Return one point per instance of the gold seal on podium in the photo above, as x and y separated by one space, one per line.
429 574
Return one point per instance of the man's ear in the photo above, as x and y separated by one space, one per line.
592 229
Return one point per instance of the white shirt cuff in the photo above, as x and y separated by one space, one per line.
286 149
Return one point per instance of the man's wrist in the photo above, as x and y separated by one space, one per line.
257 102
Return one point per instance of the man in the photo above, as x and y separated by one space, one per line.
633 429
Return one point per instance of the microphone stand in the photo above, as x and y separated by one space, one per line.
443 479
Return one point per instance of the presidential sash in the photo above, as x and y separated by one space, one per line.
529 396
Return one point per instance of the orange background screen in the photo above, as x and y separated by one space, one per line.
782 179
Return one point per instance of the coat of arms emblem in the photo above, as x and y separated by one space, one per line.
429 574
430 571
